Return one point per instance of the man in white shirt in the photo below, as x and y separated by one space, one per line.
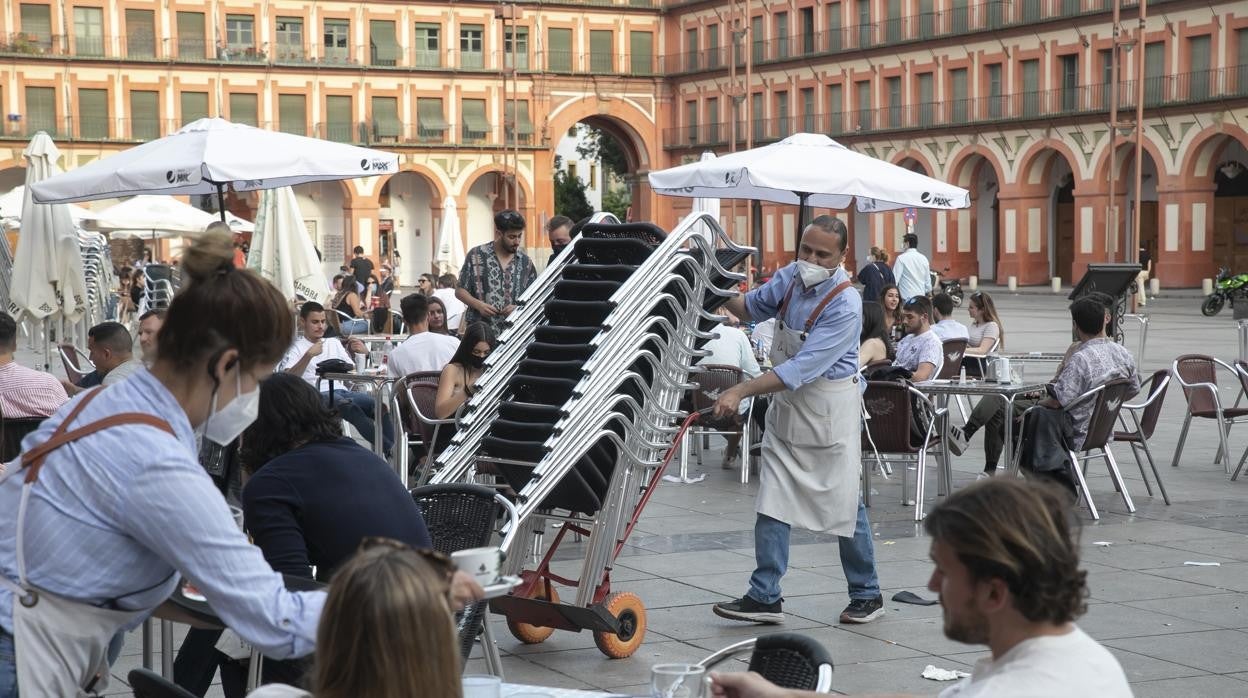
920 351
731 347
309 350
1007 572
946 327
422 350
913 273
454 307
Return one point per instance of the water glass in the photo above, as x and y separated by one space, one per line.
677 681
482 686
1016 372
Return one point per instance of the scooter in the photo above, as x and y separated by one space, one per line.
1225 287
952 287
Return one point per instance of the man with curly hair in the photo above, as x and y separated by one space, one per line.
1007 571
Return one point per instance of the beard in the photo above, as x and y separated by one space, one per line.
969 626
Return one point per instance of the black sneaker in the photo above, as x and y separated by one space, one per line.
748 609
863 610
957 440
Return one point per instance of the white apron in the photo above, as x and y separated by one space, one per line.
61 645
812 449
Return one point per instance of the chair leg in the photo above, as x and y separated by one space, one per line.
1148 452
1224 453
964 407
1187 422
684 454
744 443
1135 452
1083 485
1117 477
920 486
489 648
866 484
1241 465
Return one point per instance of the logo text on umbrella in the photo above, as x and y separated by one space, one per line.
178 176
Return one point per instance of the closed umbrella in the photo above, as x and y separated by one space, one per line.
282 251
706 204
450 256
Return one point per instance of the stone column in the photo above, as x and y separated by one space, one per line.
1184 233
1092 213
1024 243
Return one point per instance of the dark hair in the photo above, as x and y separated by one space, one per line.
113 336
220 307
833 225
1021 532
157 313
8 332
358 250
508 219
446 328
557 222
1088 315
919 304
415 309
476 333
943 303
448 280
910 239
291 415
310 307
874 326
896 319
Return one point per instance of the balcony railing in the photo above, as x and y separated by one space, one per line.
1171 90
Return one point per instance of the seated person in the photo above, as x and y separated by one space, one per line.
731 347
455 385
985 335
874 343
920 351
455 308
1093 361
111 348
309 350
422 350
149 325
387 629
946 327
437 318
1007 572
24 392
347 303
762 336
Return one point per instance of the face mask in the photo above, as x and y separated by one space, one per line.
233 419
476 361
558 249
812 274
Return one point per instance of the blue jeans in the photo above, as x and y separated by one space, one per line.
356 326
360 411
771 554
8 667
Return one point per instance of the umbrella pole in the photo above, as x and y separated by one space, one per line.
756 233
47 345
221 200
802 215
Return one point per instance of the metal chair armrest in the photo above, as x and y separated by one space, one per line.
721 655
1152 395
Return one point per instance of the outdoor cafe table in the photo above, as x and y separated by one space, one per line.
383 383
942 389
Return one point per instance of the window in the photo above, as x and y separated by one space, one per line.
336 40
864 23
894 102
1241 69
519 124
691 121
593 176
428 45
759 42
641 46
1199 59
244 108
37 23
1105 58
863 89
573 169
782 34
144 115
1154 73
520 46
472 46
559 50
289 39
712 120
1031 10
240 34
892 24
1070 82
960 101
88 31
996 90
783 127
431 119
475 126
836 109
712 46
692 54
927 99
759 117
600 43
41 110
386 126
808 110
194 106
338 119
836 27
383 47
808 30
191 44
140 33
1031 87
292 114
927 19
960 19
92 114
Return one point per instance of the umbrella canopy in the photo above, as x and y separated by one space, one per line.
450 255
11 209
282 251
151 216
47 272
707 205
809 169
207 155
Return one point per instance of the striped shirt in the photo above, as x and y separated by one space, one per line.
115 516
25 392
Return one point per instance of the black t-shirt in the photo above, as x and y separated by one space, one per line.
361 267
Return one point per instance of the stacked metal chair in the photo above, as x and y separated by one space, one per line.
6 269
97 267
579 403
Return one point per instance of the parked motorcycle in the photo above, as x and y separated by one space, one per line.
1225 288
953 287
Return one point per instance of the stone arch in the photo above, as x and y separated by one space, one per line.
1202 154
1124 156
12 174
430 176
919 158
410 218
1036 163
476 231
978 170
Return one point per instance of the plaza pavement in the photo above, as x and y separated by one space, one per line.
1177 629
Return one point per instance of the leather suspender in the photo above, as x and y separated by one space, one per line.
814 315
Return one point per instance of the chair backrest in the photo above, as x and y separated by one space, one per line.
149 684
1157 390
953 350
712 380
1197 368
69 359
422 395
1106 405
458 516
792 661
12 431
888 411
1241 368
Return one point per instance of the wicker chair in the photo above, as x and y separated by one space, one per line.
420 395
887 434
953 350
148 684
77 364
1197 374
12 431
1144 416
713 379
788 660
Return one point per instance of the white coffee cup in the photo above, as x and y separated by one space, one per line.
483 564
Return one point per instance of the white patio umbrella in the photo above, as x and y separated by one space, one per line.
450 254
282 251
707 205
11 209
208 155
151 216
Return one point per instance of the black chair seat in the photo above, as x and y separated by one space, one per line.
530 413
1128 436
560 334
575 290
578 313
612 251
1227 412
572 492
513 449
547 351
640 231
572 370
541 390
598 272
525 431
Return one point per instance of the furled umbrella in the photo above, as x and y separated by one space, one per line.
282 251
450 255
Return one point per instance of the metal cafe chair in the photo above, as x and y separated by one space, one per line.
789 660
1197 373
1144 417
711 381
888 436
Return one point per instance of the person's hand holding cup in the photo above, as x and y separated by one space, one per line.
482 564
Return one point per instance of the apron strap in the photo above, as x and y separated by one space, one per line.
814 314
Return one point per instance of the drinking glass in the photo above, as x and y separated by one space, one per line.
482 686
677 681
1016 372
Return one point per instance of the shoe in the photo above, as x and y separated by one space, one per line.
957 440
863 610
729 463
748 609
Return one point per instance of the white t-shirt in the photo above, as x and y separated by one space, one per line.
1046 667
764 332
454 307
333 349
731 348
920 349
951 329
424 351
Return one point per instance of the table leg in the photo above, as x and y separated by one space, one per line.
1011 464
148 649
166 649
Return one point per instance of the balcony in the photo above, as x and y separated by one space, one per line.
1184 89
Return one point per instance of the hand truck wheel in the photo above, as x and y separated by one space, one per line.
631 613
525 632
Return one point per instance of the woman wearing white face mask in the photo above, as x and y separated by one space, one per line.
108 505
